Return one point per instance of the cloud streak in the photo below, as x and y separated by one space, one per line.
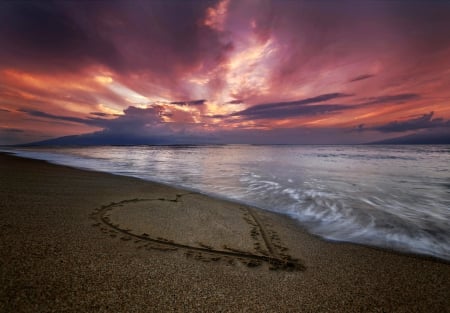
59 117
292 109
191 102
400 98
361 77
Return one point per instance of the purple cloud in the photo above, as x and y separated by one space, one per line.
361 77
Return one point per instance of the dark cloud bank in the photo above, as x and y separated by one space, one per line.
143 126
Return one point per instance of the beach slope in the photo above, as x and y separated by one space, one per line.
83 241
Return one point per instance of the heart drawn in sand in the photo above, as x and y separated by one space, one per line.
205 232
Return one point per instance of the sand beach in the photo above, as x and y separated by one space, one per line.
81 241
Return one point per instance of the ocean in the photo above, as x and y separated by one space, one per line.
395 197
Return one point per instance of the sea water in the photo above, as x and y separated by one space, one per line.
394 197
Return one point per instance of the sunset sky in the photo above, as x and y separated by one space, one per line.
224 71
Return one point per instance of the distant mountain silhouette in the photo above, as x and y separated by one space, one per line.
103 138
441 136
428 138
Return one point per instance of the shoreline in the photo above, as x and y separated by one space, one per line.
243 203
54 258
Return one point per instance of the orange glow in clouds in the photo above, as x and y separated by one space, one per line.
253 65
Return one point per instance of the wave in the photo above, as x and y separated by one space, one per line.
395 198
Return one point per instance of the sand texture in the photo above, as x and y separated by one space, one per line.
83 241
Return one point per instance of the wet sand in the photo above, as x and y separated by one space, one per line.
83 241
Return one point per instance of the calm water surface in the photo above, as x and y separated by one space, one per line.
388 196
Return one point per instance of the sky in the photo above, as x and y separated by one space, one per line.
247 71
